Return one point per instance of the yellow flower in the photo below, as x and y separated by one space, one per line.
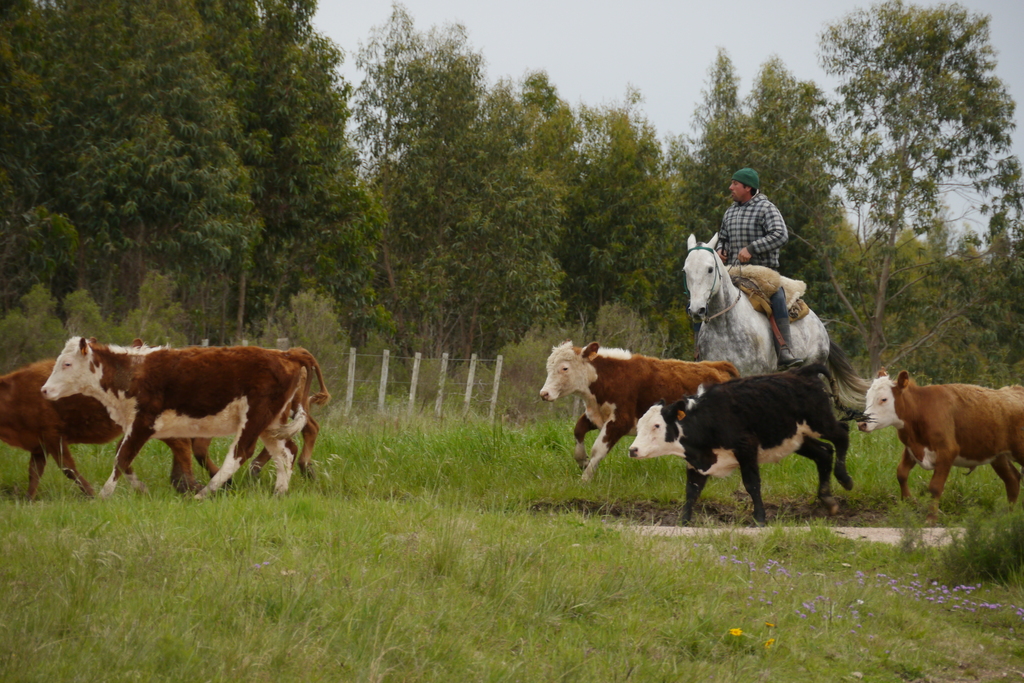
768 643
736 631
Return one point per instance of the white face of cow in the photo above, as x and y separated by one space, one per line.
880 406
74 372
650 437
567 373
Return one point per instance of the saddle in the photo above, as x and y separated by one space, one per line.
760 282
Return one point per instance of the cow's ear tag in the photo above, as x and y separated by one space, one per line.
680 415
83 346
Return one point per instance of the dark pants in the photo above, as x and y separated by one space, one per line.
781 313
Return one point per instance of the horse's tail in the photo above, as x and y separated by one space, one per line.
850 389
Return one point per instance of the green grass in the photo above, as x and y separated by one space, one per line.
416 556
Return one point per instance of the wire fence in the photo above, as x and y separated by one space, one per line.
380 382
414 384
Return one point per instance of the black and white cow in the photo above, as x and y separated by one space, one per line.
747 422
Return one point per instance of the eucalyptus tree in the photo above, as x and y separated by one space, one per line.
924 126
618 243
35 244
464 261
317 225
138 148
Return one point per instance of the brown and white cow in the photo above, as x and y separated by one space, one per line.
618 387
245 392
304 458
41 427
949 425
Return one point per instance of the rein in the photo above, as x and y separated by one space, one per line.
687 289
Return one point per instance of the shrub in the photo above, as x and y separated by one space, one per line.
33 333
990 547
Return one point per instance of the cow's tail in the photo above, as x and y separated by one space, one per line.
287 431
848 388
309 362
323 396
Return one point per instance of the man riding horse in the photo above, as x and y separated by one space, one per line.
752 233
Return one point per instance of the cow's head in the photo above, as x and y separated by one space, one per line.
570 369
75 371
652 431
880 404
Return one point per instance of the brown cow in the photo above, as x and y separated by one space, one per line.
312 427
242 391
949 425
41 427
618 387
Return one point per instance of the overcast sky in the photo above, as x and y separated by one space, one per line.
594 51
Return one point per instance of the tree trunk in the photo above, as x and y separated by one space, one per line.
240 321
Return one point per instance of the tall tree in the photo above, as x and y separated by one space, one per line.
35 244
138 149
317 219
613 249
925 126
469 219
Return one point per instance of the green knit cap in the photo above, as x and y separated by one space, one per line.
748 177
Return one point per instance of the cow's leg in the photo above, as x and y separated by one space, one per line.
907 463
1010 476
751 475
605 441
240 451
282 461
259 462
943 464
67 466
695 482
821 454
126 451
36 466
182 478
201 453
232 461
305 459
839 435
583 425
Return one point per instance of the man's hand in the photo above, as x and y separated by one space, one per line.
745 255
722 254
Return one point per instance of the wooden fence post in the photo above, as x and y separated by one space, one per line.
351 389
440 385
415 379
382 392
494 393
469 384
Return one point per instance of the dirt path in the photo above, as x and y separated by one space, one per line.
932 537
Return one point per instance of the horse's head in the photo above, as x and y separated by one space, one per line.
704 273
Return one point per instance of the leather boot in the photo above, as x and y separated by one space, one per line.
786 358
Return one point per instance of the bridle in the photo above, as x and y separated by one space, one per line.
711 293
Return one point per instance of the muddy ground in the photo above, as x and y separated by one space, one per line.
705 514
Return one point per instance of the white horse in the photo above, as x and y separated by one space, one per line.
733 330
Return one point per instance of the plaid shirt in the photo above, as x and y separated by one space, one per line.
756 225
